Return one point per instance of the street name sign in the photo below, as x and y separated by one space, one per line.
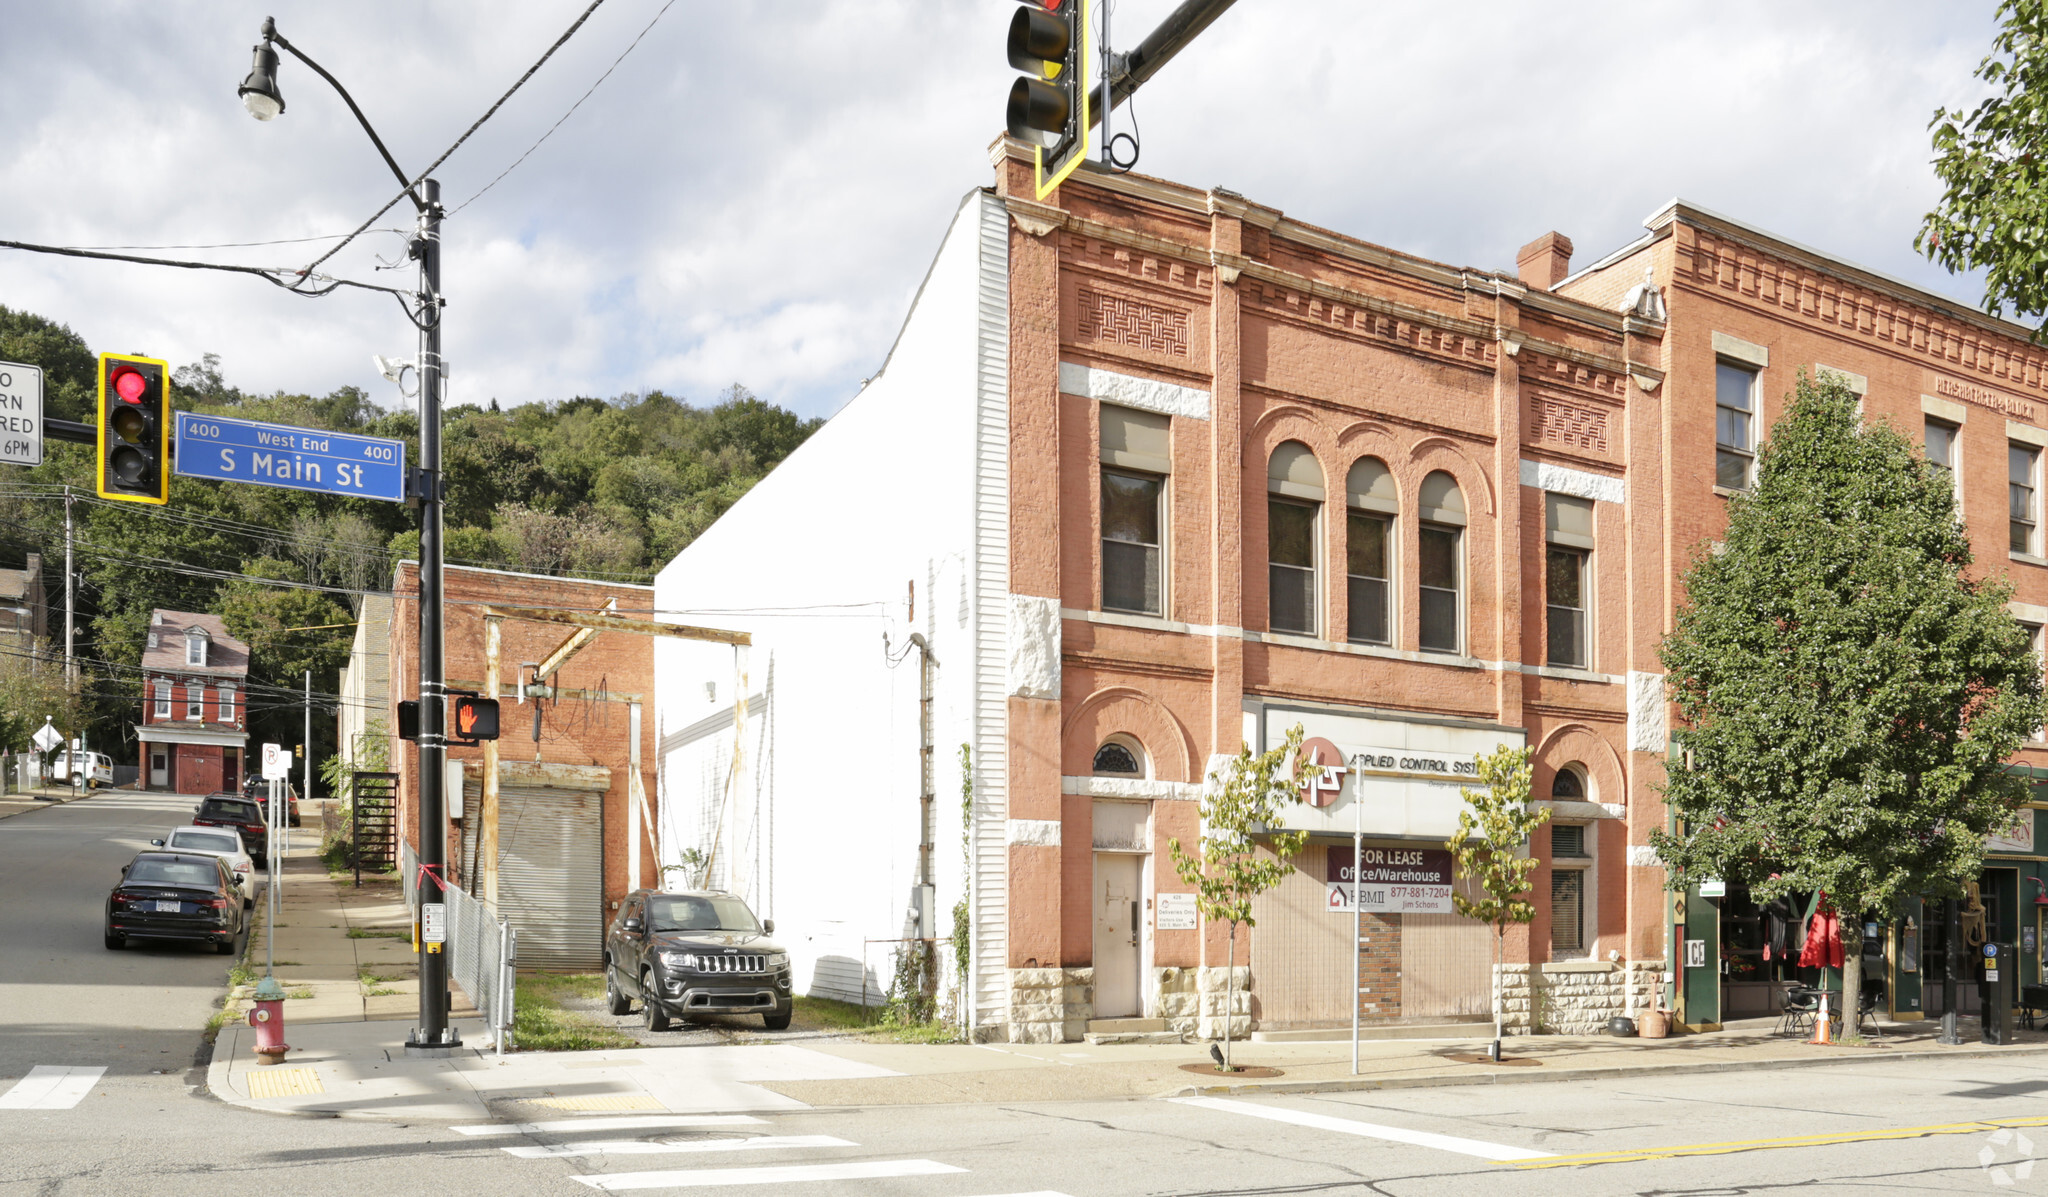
330 463
21 414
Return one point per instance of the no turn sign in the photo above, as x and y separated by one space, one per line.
21 414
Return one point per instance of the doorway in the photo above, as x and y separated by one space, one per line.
1119 934
159 769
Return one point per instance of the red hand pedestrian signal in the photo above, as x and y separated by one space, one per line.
476 719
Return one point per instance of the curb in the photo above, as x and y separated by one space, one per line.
43 804
1504 1077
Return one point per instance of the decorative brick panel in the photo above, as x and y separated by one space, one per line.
1569 425
1121 320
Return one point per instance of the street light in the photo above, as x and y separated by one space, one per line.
433 1036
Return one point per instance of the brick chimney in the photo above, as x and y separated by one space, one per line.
1544 262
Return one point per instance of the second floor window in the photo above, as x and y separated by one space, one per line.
1294 484
1734 425
1369 533
1439 589
163 700
1568 531
195 702
2021 462
1136 462
1941 444
227 704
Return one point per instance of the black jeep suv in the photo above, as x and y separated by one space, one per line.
694 952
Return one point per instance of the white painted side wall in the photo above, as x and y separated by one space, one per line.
819 563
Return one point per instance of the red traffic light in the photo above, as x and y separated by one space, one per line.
129 385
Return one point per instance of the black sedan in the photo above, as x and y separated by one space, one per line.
176 895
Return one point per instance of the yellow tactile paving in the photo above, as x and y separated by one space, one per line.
283 1082
617 1101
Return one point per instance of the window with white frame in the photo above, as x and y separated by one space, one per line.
1368 550
1568 553
163 700
195 647
1119 756
227 704
1440 582
1294 484
195 701
1941 443
2022 463
1136 463
1734 425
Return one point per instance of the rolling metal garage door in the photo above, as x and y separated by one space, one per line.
550 872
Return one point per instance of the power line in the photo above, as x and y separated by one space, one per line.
268 274
410 188
239 244
566 115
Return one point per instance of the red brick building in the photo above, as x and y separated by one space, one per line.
193 732
564 842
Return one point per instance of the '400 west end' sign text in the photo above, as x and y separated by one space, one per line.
332 463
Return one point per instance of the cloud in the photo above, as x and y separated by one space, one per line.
755 193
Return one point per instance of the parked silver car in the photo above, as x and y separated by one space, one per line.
216 841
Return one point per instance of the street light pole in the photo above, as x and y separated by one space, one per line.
260 93
433 1034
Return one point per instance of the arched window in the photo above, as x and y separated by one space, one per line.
1440 588
1368 547
1570 783
1294 486
1119 757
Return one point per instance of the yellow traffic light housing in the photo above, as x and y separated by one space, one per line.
134 429
1053 42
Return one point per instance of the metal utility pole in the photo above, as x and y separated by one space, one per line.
306 794
1180 27
70 598
1952 963
433 1034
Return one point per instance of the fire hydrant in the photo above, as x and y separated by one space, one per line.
268 1019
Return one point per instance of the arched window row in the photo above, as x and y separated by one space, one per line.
1295 509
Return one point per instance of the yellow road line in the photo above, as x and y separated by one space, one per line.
1740 1145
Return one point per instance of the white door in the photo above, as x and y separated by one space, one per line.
159 769
1118 934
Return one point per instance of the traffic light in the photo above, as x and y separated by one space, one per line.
1050 40
135 429
476 718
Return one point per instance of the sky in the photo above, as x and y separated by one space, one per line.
755 192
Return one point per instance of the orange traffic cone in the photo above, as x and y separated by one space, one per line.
1820 1024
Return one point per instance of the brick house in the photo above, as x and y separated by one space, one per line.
193 732
565 844
1153 472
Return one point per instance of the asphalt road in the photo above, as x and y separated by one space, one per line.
147 1125
66 999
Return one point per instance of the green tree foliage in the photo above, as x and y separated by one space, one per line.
32 689
1993 164
1849 694
584 486
1244 800
70 383
1491 851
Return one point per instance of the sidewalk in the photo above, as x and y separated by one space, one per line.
39 797
344 954
360 1070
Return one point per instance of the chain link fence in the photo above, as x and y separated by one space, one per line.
483 951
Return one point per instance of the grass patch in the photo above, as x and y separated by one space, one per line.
379 992
878 1024
367 933
541 1023
298 993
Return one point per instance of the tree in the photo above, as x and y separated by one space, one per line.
1243 799
1993 163
1848 693
32 689
1491 850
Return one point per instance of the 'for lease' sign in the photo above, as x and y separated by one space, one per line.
1391 880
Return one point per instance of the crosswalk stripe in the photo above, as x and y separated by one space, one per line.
1497 1152
636 1122
1033 1193
51 1087
785 1174
642 1147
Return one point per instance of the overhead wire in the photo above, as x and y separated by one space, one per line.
566 115
421 177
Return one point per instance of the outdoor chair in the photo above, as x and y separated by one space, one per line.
1801 1004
